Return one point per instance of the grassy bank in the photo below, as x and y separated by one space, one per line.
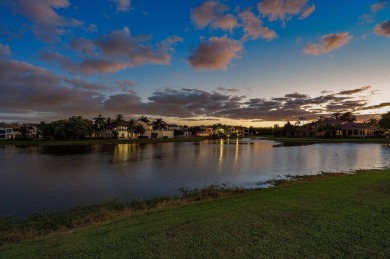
329 140
323 216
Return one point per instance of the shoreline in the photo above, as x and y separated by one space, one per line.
191 139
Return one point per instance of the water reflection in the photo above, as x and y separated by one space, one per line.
59 177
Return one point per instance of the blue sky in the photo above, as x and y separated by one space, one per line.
194 62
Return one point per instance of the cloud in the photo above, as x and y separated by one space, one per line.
213 13
328 43
47 23
122 5
91 28
29 89
377 106
374 8
307 12
113 52
378 6
126 85
284 10
223 89
354 91
296 96
215 54
189 103
383 29
253 27
5 50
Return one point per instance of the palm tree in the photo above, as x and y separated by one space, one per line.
336 115
139 129
348 116
159 124
119 119
144 119
99 123
131 126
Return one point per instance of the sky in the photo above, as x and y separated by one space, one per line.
253 63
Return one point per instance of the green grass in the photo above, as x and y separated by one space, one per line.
323 216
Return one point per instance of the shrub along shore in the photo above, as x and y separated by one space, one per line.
329 215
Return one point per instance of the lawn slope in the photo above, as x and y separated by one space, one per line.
325 216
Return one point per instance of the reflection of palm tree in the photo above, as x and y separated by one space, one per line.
159 124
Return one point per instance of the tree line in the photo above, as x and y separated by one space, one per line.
77 127
289 128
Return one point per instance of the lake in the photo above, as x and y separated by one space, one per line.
55 178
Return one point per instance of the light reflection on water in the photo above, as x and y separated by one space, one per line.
47 178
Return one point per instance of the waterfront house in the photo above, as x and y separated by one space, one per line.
7 131
329 127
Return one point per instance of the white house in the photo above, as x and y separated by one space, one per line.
7 132
150 133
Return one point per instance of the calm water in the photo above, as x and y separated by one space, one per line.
51 178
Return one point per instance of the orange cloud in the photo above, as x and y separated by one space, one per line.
212 13
285 9
383 29
328 43
215 54
254 28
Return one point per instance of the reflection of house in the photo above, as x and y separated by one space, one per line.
328 127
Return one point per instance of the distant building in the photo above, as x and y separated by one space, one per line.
329 127
7 131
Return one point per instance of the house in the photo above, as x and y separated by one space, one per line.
356 130
151 133
7 131
205 132
121 130
329 127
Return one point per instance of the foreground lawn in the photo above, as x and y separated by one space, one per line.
324 216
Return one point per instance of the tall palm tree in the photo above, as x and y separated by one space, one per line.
119 119
99 123
348 116
131 126
144 119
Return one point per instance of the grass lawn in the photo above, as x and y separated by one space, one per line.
323 216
